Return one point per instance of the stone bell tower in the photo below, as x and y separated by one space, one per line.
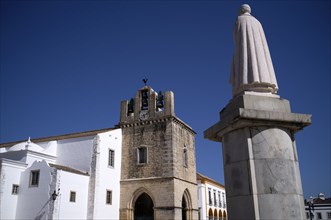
158 176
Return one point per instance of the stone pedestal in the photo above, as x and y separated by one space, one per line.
261 168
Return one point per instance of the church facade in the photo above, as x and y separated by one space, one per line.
144 168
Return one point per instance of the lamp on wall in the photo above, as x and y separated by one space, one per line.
54 195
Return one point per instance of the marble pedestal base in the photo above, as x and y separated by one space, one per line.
262 176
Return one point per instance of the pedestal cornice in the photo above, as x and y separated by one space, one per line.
251 111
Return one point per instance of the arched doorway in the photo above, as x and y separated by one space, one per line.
220 216
144 208
184 208
215 215
187 211
210 214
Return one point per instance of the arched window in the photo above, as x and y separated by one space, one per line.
220 216
210 214
215 214
224 215
144 208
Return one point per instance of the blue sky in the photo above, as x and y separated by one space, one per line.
66 65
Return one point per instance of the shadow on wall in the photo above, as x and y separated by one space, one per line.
41 213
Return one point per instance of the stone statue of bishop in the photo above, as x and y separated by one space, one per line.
256 128
252 68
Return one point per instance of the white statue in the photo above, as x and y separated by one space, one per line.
252 68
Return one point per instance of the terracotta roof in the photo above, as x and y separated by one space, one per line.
203 178
322 201
68 169
59 137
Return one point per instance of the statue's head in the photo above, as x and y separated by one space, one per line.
245 9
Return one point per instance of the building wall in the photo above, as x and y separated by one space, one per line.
10 173
160 155
183 139
207 206
75 153
70 182
202 200
40 195
324 212
319 207
107 177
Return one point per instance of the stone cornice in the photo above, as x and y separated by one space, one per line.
154 121
158 178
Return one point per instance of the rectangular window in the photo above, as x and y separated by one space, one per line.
142 155
209 197
34 178
223 198
319 215
109 197
72 196
215 202
14 190
219 200
111 158
329 215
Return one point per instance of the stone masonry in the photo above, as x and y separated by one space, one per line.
166 177
260 158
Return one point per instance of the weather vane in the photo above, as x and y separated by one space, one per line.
145 81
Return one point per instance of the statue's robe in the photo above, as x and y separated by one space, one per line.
252 68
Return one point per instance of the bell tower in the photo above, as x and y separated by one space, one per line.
158 172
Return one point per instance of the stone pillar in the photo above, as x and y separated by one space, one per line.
169 106
261 168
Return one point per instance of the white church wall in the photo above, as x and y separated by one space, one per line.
202 204
71 183
14 155
27 156
107 176
75 153
34 201
32 156
10 174
50 147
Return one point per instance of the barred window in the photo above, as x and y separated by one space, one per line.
109 197
34 178
14 190
142 155
111 158
72 196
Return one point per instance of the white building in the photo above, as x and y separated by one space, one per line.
75 176
211 198
318 208
78 176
